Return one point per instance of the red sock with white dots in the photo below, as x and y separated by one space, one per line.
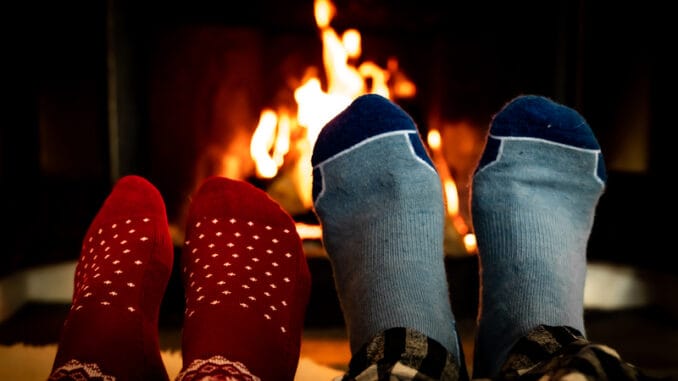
121 276
247 285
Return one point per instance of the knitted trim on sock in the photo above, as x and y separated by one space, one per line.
216 368
75 370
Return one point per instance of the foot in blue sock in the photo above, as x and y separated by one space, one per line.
534 196
380 203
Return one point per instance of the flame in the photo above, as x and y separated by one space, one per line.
434 140
315 106
272 139
270 142
470 243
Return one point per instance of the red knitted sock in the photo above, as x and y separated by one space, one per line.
120 279
247 285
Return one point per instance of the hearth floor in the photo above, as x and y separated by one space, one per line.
646 337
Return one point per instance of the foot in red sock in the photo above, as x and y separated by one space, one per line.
247 285
112 328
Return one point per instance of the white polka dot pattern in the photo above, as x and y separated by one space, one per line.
237 263
111 264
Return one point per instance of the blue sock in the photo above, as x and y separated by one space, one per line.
380 203
534 196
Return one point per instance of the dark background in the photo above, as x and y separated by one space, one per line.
97 90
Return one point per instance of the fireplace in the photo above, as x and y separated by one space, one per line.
224 98
175 90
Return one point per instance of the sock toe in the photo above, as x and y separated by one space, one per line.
369 115
540 117
219 196
132 196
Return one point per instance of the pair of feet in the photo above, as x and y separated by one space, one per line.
245 279
534 195
379 200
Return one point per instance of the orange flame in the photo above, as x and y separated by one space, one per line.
450 192
315 106
272 141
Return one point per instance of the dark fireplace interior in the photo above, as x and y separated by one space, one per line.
100 89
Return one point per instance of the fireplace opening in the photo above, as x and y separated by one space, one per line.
247 102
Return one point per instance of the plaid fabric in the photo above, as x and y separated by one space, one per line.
546 353
404 354
562 353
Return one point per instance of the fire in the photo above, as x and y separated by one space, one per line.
273 140
434 141
315 106
270 143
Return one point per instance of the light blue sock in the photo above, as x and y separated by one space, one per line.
380 203
533 201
